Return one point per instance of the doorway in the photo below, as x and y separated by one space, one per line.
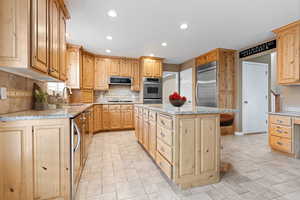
255 97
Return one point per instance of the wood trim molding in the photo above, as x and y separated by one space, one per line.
171 67
296 23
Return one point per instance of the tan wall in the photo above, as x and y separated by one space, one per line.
19 92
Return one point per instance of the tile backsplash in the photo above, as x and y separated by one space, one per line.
116 92
19 92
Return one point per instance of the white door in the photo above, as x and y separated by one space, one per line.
255 97
186 83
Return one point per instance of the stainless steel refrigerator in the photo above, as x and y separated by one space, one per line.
207 85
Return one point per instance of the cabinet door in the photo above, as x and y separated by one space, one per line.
97 118
54 39
50 158
148 67
127 119
115 119
288 55
87 71
157 69
135 75
125 68
106 119
14 37
152 139
101 66
40 38
146 135
141 130
62 47
114 69
73 68
16 163
136 127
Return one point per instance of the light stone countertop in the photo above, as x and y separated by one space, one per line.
116 103
70 111
286 113
185 109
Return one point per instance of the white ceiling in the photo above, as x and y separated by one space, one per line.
141 26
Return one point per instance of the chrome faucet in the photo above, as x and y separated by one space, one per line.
66 92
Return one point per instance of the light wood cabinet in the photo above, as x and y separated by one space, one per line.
73 64
62 47
40 35
152 67
125 67
127 118
152 138
101 73
114 68
136 77
288 54
82 96
146 135
31 38
36 159
106 119
98 118
87 71
115 119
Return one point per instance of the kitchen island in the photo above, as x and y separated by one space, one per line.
184 142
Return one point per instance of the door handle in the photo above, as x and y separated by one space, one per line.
246 102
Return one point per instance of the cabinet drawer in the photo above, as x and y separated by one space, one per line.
165 150
297 120
164 165
126 107
165 135
114 107
281 120
105 107
141 111
152 115
281 131
281 144
165 121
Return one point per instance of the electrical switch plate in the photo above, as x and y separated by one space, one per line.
3 93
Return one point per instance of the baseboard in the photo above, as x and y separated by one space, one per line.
238 133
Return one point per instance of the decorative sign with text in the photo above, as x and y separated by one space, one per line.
258 49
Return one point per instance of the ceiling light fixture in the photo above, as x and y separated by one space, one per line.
164 44
108 51
183 26
112 13
109 37
151 54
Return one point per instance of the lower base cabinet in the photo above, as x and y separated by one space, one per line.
35 160
113 117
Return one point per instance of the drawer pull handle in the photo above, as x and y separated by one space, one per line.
279 131
279 121
162 122
162 134
11 190
279 143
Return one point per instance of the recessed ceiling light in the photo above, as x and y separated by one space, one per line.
151 54
109 37
112 13
108 51
184 26
164 44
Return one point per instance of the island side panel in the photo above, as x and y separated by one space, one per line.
196 150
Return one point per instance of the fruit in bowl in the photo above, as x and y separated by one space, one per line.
177 100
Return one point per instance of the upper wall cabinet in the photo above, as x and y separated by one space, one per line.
31 37
152 67
101 73
114 68
73 65
136 76
87 71
288 54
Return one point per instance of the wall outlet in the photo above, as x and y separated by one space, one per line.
3 93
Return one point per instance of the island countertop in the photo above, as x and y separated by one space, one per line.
67 112
186 109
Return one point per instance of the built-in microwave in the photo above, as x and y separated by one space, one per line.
118 80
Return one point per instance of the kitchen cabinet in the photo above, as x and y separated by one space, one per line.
125 67
87 71
136 77
98 118
54 39
82 96
152 67
73 64
106 118
115 119
101 73
62 47
185 147
127 116
32 37
288 56
114 68
36 159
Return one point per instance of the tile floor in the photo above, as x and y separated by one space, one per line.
119 169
